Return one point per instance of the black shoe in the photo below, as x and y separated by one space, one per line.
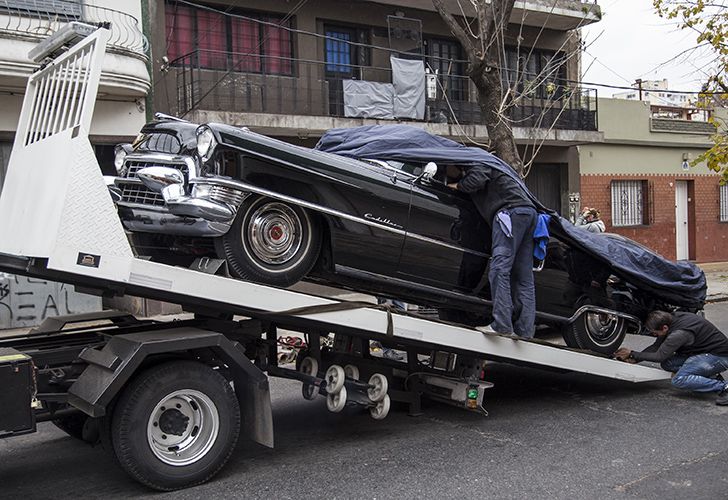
722 397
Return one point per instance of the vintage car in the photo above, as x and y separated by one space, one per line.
376 216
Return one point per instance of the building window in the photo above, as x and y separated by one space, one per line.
344 57
724 203
535 72
629 202
239 41
445 59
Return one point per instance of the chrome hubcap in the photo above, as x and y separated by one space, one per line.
183 427
274 233
602 327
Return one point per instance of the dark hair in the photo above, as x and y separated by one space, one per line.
657 319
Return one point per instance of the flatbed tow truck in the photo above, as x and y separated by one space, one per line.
170 398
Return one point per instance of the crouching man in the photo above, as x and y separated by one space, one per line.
689 346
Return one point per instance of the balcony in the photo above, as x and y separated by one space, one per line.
305 88
23 23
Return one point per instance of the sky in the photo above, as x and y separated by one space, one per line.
632 41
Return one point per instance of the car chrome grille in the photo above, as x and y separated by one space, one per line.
139 193
133 192
134 166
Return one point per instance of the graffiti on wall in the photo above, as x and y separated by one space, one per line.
28 301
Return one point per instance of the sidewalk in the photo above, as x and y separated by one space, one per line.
716 274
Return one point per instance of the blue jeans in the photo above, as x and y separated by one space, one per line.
511 274
694 372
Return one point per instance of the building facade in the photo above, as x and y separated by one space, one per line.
289 72
642 180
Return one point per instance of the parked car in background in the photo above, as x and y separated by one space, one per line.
377 217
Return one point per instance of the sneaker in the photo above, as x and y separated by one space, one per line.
722 397
485 329
388 353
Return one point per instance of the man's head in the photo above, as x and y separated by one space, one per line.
453 172
658 323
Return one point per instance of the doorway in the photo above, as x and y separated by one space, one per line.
684 219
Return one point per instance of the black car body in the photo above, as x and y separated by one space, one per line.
373 218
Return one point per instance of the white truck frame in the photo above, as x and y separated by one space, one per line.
58 222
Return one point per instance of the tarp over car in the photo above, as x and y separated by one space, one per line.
678 283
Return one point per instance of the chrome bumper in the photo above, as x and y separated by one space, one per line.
138 218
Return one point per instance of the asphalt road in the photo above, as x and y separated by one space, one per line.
548 435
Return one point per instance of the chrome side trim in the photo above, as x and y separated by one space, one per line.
329 211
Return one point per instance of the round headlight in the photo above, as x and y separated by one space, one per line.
119 157
205 142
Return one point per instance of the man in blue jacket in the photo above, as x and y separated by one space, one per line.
512 217
689 346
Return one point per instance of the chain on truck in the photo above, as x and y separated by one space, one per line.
169 399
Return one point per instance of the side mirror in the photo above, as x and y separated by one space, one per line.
429 171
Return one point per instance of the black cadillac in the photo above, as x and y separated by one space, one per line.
369 209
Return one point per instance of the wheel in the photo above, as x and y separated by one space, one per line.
270 242
335 378
381 410
598 332
175 425
336 402
351 372
309 366
379 387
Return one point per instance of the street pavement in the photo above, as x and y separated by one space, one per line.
548 435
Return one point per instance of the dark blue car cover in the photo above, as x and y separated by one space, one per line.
678 283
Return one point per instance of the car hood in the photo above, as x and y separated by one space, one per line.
678 283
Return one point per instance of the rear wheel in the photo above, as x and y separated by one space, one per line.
271 242
596 331
175 425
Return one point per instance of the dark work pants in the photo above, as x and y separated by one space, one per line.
511 274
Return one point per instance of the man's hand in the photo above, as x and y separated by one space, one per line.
623 354
453 185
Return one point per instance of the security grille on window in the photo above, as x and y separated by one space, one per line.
724 203
628 203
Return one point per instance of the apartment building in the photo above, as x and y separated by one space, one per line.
287 69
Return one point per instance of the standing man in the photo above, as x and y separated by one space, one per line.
689 346
512 218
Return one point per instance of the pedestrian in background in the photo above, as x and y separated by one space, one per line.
589 220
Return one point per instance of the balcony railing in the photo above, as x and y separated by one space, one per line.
40 18
302 87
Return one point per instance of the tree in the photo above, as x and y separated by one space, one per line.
483 47
709 21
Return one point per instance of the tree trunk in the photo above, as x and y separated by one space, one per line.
490 100
484 62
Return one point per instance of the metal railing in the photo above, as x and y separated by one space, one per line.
40 18
214 81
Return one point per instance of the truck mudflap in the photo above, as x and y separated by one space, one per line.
110 368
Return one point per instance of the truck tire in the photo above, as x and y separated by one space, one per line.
175 425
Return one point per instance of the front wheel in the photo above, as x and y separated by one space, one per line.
271 242
596 331
175 425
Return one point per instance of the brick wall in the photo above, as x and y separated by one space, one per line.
710 236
